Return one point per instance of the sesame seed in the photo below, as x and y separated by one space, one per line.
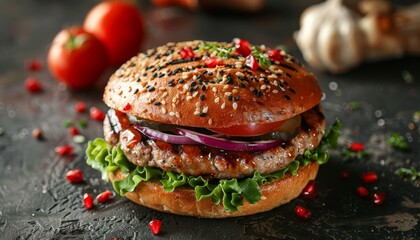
171 114
163 110
195 94
196 113
177 114
216 100
205 109
202 97
235 105
210 121
163 102
230 98
156 103
214 89
198 104
164 94
263 87
235 91
275 91
223 106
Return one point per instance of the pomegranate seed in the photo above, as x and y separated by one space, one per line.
252 63
37 133
303 213
74 176
369 177
88 201
104 197
362 191
96 114
242 47
34 65
378 198
212 62
275 55
64 150
73 131
33 85
155 226
186 52
345 174
356 146
310 190
80 107
127 107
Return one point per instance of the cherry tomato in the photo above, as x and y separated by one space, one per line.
77 57
120 26
249 130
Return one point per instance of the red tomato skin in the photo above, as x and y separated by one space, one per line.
80 66
120 26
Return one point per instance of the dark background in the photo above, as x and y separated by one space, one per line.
36 202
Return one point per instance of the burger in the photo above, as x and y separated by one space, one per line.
212 129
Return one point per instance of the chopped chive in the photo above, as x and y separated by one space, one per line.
68 123
83 123
353 105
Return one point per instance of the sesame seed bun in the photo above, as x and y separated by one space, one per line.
182 200
162 86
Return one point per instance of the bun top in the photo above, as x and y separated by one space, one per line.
210 84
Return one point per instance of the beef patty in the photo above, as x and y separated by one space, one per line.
201 160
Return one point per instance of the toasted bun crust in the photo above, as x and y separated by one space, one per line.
182 200
162 86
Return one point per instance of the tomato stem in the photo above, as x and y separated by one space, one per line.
75 41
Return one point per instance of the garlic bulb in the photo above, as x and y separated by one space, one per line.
336 35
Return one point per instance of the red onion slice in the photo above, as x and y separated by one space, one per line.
166 137
227 144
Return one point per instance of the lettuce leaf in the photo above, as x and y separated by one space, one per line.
228 192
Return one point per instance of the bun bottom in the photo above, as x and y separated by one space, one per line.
182 200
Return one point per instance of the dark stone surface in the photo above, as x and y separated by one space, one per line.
36 202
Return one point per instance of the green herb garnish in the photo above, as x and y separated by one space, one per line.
83 123
353 105
229 192
407 77
67 123
222 51
348 154
261 57
411 172
397 141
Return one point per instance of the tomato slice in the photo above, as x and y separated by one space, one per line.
248 130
